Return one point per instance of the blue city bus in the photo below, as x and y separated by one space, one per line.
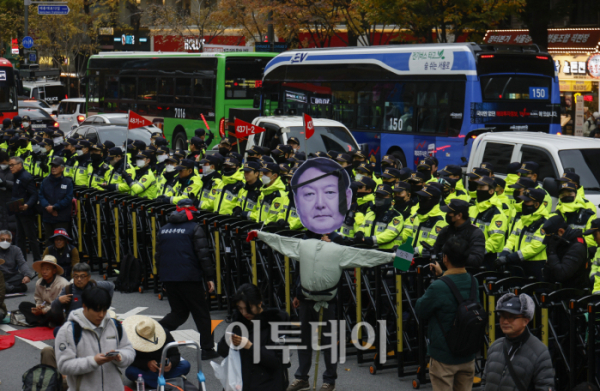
415 101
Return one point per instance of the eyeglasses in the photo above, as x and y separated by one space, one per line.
80 276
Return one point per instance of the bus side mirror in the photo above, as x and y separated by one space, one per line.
256 102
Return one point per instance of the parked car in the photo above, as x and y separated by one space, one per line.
70 113
118 134
35 104
106 119
40 119
555 155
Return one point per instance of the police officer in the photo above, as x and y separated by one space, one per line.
294 143
390 176
248 195
70 156
253 154
357 159
17 123
403 202
81 168
473 176
167 179
574 178
488 216
27 126
507 208
288 217
229 186
37 156
567 254
13 146
98 168
389 161
426 224
417 182
366 169
162 154
282 153
518 188
272 195
383 224
459 224
201 134
143 184
343 159
573 210
161 142
594 231
224 146
365 199
6 124
532 170
42 168
455 172
113 179
134 148
210 178
426 167
188 184
525 246
58 137
25 151
196 151
450 192
512 176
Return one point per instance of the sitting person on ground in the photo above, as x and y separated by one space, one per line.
92 348
47 289
269 373
149 338
70 297
17 273
61 248
529 366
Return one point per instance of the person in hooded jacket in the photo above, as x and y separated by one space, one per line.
507 208
210 178
188 184
574 211
575 179
365 199
383 225
167 179
428 221
228 188
272 197
7 221
403 200
567 254
248 195
144 183
269 373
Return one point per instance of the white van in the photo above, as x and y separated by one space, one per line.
329 135
50 91
70 113
555 155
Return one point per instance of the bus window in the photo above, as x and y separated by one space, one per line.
505 87
146 89
127 87
202 90
183 91
112 87
499 155
165 90
437 105
398 107
243 76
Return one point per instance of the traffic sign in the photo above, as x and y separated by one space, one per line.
32 57
53 9
27 42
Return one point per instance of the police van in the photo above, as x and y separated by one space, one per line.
554 153
50 91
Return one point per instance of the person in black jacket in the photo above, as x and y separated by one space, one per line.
269 373
457 217
567 254
149 338
7 221
24 188
56 197
183 263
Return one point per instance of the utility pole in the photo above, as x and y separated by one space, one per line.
270 30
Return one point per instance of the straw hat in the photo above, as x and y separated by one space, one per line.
50 260
144 333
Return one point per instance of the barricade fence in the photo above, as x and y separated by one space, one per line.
107 227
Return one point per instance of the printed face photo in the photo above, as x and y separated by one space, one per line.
318 203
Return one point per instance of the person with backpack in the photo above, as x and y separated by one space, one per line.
519 361
455 332
92 349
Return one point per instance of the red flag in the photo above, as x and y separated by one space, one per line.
137 121
245 129
309 128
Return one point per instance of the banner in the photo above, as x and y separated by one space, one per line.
137 121
245 129
309 128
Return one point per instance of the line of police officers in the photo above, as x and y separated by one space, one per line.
509 223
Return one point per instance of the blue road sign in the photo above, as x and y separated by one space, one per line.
27 42
32 57
53 9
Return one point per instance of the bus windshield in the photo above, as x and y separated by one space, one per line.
7 98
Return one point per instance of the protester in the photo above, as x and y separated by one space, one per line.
86 362
183 263
7 221
56 199
148 339
529 365
16 271
65 253
3 309
438 307
47 288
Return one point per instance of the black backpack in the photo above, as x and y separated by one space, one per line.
42 378
130 275
467 333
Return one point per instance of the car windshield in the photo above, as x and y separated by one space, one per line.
34 114
118 134
326 138
586 163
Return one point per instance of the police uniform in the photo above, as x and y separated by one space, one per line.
228 188
595 264
70 159
575 213
355 217
114 176
528 168
426 224
248 195
426 166
474 175
406 208
209 181
188 187
507 207
271 198
144 183
572 177
512 177
382 227
97 168
167 179
452 170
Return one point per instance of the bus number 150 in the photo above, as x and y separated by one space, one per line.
395 124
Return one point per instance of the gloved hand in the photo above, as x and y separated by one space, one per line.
513 257
358 237
504 254
112 187
237 211
425 254
283 224
552 244
369 241
501 261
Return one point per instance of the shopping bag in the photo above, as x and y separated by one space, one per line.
229 372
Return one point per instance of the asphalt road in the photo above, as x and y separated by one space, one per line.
24 355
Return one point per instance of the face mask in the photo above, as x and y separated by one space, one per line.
223 151
359 177
43 151
382 204
206 170
140 163
23 143
449 219
229 171
356 164
79 152
399 203
162 158
415 187
427 175
361 194
170 168
58 140
426 204
96 158
3 166
35 148
25 124
265 180
472 186
4 245
567 199
528 209
483 195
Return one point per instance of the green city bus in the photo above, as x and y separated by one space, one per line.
174 90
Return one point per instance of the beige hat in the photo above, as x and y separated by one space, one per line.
2 261
144 333
49 259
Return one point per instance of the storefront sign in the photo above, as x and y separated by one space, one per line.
575 85
567 40
579 115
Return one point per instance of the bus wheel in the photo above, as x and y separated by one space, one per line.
398 154
180 140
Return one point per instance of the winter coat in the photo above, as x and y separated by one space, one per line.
270 373
57 192
182 251
77 361
473 235
45 294
530 360
15 263
6 185
76 301
438 304
567 261
24 187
